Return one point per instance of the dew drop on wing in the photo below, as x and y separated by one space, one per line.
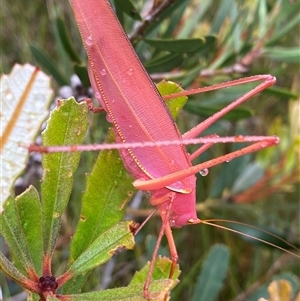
97 95
130 71
89 41
103 72
204 172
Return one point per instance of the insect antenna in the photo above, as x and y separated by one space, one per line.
212 222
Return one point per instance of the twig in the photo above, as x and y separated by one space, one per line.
155 12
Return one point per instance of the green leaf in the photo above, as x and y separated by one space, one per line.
207 111
171 9
210 280
46 62
283 54
161 271
102 210
104 247
177 46
283 27
12 231
66 42
264 235
174 104
223 11
9 269
82 73
164 63
30 216
67 126
158 290
189 25
127 7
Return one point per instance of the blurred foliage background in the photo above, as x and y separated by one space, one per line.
220 41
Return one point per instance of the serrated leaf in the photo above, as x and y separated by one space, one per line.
177 46
211 278
25 97
12 231
30 215
67 126
158 291
102 210
104 247
9 269
161 271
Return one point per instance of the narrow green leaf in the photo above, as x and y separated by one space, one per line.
177 46
264 234
252 173
30 215
48 65
189 25
164 63
206 111
127 7
177 4
282 93
285 28
12 231
210 280
82 73
282 54
9 269
66 42
158 290
104 247
67 126
220 16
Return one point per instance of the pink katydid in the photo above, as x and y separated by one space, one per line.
139 114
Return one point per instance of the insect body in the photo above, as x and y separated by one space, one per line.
139 114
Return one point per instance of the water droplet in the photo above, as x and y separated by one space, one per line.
204 172
130 126
103 72
130 71
228 160
113 100
97 95
89 41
